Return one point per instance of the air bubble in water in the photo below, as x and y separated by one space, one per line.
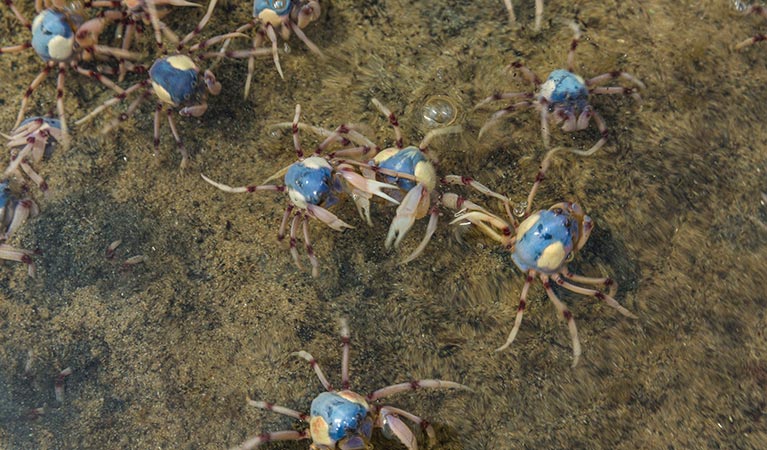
439 111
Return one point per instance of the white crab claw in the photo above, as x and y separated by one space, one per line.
406 215
367 185
398 428
327 217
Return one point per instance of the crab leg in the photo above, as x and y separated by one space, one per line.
616 90
34 176
18 14
346 343
605 281
413 385
568 316
503 112
23 210
510 9
520 311
179 142
430 229
424 145
573 45
505 96
9 253
132 107
256 441
605 77
608 299
112 101
279 409
200 26
472 183
392 121
293 230
15 48
487 223
529 75
275 55
310 250
283 224
538 14
301 35
32 86
313 363
250 188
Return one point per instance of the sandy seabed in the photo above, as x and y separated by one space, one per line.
164 354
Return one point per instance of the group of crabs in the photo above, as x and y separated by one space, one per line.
345 164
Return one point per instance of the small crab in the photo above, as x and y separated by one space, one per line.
54 39
131 17
759 37
412 170
538 13
544 243
344 419
314 184
563 97
283 16
13 213
30 143
176 82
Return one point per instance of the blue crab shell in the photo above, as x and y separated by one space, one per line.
174 79
263 8
411 161
5 197
53 37
340 415
566 89
54 123
545 240
309 181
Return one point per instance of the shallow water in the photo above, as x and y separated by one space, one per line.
164 353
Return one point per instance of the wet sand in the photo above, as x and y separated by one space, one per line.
164 353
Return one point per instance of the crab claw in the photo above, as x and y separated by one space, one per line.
407 212
394 425
488 223
366 184
327 217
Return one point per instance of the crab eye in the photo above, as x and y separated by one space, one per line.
569 257
278 4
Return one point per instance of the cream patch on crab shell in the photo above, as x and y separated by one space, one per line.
297 198
270 17
354 398
547 89
319 431
181 62
315 162
552 257
60 48
384 155
425 173
38 18
527 224
162 94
